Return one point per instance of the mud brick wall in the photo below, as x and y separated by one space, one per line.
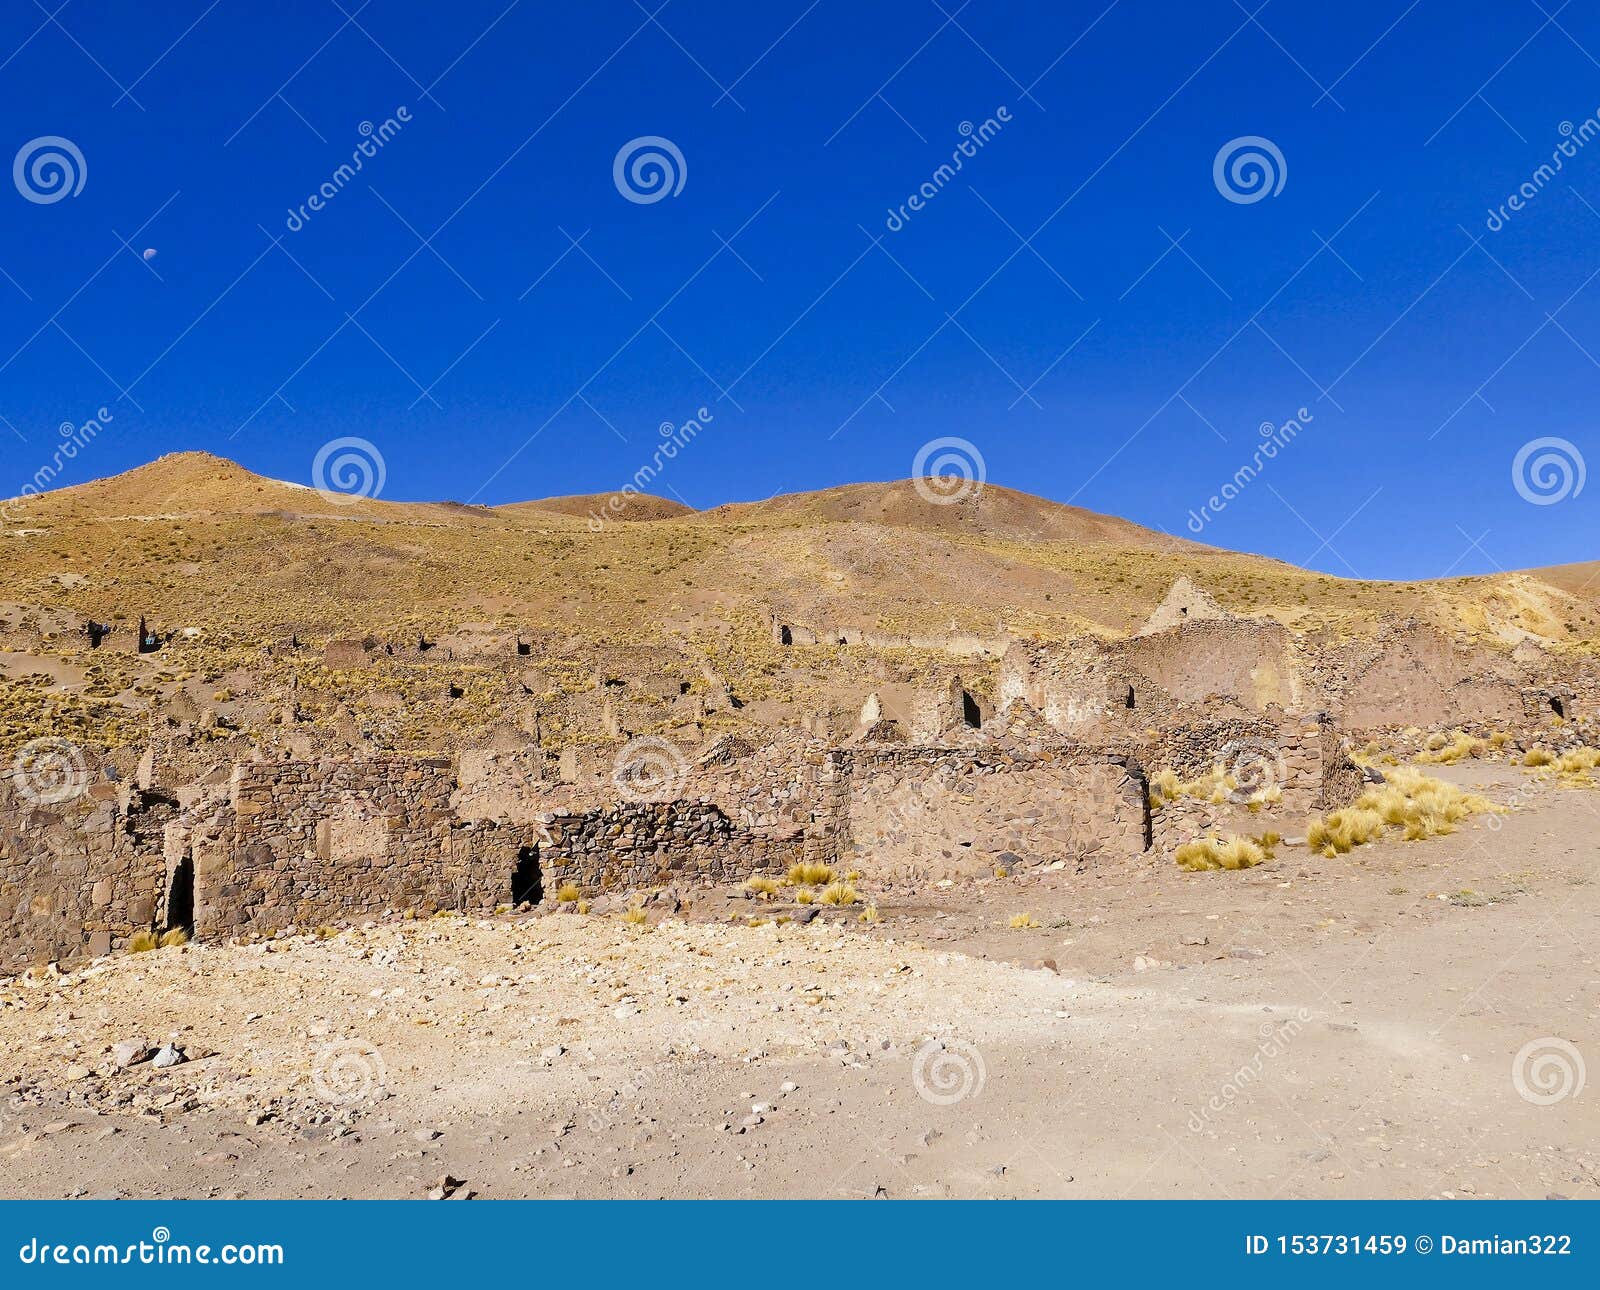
635 846
939 812
77 880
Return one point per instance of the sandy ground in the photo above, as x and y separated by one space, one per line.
1410 1021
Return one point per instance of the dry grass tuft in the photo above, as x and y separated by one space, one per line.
870 915
1537 757
174 936
1418 805
805 896
140 942
763 886
1447 750
568 891
810 874
1023 920
1230 852
635 915
839 893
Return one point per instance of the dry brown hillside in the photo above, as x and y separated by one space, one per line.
233 566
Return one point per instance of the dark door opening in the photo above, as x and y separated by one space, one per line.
970 714
785 636
1128 703
180 897
1558 707
525 885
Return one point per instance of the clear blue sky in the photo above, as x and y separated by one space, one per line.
1096 364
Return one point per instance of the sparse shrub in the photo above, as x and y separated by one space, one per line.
1023 921
762 886
140 942
174 936
838 893
870 915
568 891
810 873
1230 852
1416 804
583 907
635 916
1537 757
805 896
1443 750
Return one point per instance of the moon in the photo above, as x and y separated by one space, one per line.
149 253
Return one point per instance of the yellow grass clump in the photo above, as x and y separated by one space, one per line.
635 916
762 886
1447 750
1230 852
870 915
1537 757
174 936
839 893
1416 804
805 896
568 891
1023 920
140 942
810 874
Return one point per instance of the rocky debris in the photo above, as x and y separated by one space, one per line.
169 1055
449 1188
130 1052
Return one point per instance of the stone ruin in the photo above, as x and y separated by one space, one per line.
1051 774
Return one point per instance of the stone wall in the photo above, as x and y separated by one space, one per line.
634 846
917 812
1299 770
82 877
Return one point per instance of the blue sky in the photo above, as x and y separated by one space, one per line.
1035 306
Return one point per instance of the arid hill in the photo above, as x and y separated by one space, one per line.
458 619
